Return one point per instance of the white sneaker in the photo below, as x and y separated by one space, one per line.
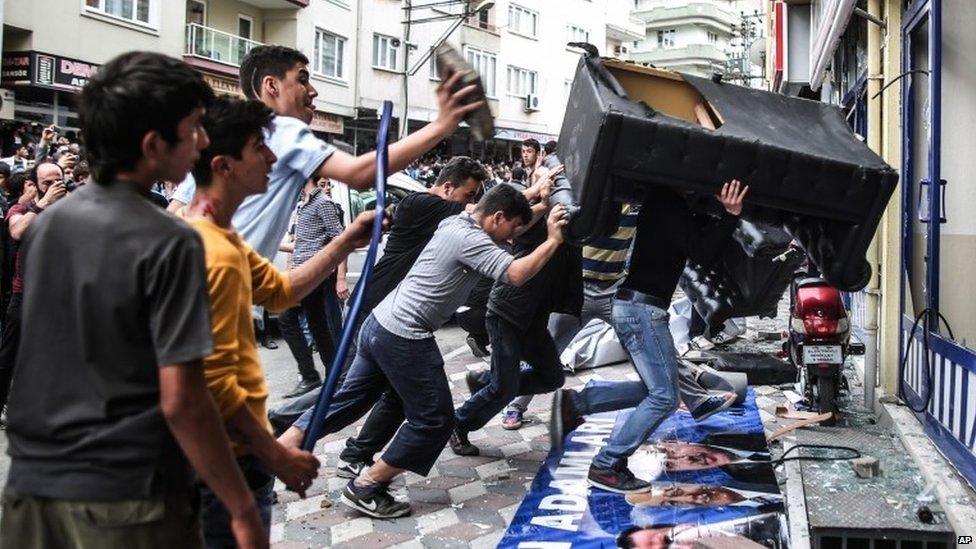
722 338
702 343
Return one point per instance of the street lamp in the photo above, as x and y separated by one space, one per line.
484 5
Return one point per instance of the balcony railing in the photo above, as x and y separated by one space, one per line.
215 45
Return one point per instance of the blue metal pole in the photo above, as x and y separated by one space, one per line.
314 431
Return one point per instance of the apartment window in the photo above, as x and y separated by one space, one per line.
665 38
432 68
577 34
523 20
245 26
712 37
484 62
329 53
135 11
384 52
196 12
522 82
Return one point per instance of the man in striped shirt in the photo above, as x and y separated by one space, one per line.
319 220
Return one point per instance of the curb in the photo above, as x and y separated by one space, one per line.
796 500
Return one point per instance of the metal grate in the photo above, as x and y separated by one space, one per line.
876 539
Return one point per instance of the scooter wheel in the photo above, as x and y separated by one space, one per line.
827 398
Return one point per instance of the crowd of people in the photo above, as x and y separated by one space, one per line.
137 414
514 172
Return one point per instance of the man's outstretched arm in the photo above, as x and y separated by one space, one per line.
359 172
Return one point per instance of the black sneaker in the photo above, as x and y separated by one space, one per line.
618 480
564 417
461 446
375 501
475 381
303 387
712 406
478 349
350 470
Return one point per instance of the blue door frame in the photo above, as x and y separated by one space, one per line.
948 419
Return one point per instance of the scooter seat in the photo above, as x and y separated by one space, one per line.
811 281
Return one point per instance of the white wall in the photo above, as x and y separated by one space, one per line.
336 96
65 27
546 54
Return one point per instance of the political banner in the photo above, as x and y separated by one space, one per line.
710 479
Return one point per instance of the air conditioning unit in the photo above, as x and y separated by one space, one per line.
532 103
7 104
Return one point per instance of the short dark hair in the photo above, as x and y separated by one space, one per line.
459 170
230 123
16 185
505 199
81 171
267 61
518 173
550 147
131 95
530 142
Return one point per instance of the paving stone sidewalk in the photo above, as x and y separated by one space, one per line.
464 502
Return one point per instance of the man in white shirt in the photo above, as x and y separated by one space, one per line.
279 77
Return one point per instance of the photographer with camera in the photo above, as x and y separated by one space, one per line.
47 179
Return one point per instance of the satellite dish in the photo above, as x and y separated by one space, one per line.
757 53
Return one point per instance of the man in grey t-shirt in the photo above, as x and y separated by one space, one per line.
397 347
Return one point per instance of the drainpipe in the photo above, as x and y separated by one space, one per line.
873 291
405 120
356 75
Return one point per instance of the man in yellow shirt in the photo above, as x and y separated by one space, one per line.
233 167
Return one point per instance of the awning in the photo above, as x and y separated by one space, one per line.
506 134
834 15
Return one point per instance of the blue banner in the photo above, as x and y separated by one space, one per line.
709 479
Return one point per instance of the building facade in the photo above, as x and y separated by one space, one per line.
901 71
692 37
359 53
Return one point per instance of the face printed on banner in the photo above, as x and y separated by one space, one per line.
650 538
693 457
685 495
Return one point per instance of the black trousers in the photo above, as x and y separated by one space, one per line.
322 311
9 343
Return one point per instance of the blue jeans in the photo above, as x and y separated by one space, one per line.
506 380
215 517
414 369
643 331
324 315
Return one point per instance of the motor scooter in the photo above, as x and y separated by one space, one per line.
819 337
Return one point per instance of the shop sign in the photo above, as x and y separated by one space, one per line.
520 135
46 70
223 86
327 122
